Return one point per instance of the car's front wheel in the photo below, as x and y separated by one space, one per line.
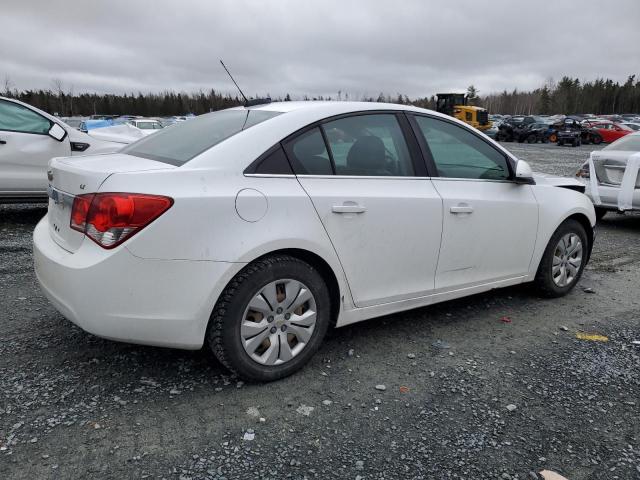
563 260
270 319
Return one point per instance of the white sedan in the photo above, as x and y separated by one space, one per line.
253 230
29 138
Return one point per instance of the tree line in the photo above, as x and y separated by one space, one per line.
568 96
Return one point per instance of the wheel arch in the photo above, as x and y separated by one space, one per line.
323 268
583 220
314 259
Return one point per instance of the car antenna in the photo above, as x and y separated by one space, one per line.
247 102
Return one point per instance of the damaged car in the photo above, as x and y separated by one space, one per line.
254 230
611 176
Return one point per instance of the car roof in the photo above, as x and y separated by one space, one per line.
295 116
321 106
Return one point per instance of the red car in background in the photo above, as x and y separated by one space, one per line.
610 131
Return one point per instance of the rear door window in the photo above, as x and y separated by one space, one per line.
308 154
369 145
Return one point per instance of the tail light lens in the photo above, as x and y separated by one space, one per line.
583 172
111 218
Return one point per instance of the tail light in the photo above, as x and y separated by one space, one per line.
111 218
583 172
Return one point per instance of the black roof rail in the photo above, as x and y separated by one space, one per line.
257 101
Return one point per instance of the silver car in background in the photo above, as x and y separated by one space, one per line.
611 176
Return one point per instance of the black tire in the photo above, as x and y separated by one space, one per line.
544 276
223 333
532 139
574 143
560 143
600 213
597 139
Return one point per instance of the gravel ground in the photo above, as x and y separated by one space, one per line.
495 386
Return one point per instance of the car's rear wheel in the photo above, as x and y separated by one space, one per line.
532 138
597 139
270 319
563 260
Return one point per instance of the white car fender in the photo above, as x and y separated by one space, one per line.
552 202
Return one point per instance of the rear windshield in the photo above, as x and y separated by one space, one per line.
180 143
628 143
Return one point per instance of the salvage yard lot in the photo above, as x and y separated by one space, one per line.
76 406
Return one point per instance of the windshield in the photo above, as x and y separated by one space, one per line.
628 143
182 142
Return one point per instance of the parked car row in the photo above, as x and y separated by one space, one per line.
569 130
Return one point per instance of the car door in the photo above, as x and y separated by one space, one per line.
368 184
25 150
490 222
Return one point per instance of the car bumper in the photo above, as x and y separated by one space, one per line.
116 295
609 196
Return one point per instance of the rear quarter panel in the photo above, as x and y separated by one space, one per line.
204 223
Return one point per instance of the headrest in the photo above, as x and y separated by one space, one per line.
367 152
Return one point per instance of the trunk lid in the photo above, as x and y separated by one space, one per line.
71 176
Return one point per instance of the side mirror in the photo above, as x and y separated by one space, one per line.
57 132
524 174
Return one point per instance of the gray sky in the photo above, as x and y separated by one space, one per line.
315 47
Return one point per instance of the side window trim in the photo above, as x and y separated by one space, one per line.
327 146
431 165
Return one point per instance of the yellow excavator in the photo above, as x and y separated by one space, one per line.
456 105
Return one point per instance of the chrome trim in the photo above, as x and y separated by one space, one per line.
367 177
269 175
448 179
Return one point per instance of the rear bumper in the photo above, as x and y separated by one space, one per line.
116 295
609 196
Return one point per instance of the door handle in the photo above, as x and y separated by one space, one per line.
462 208
3 142
348 208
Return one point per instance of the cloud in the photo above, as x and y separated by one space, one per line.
315 47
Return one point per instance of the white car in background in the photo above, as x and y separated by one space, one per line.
616 183
29 138
147 125
253 230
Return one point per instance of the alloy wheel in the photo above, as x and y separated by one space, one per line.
278 322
